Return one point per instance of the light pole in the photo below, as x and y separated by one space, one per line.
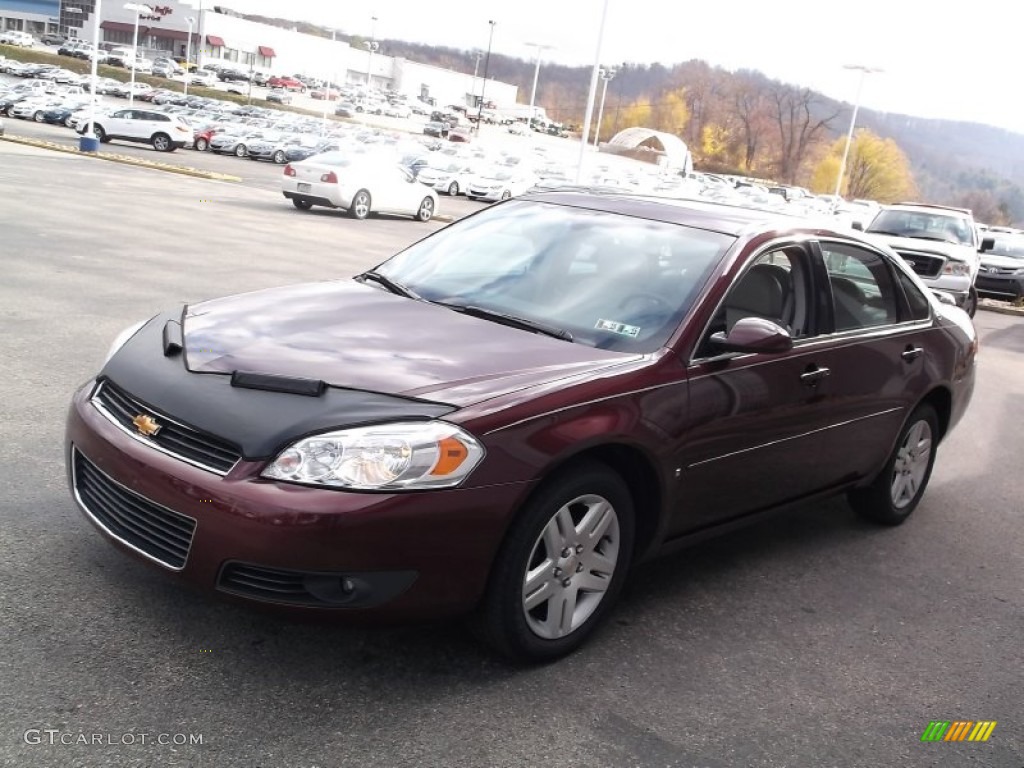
536 75
483 86
591 93
88 138
139 9
371 46
476 68
864 72
190 20
606 75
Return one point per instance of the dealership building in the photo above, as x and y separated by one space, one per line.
219 35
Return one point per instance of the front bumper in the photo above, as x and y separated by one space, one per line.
1000 286
405 555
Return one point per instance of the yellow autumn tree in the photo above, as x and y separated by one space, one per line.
876 169
669 113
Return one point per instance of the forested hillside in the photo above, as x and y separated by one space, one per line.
745 122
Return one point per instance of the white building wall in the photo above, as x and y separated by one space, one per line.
301 54
449 87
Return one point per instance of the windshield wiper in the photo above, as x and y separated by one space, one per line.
882 232
512 321
938 239
396 288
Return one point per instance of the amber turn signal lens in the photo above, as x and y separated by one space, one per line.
451 454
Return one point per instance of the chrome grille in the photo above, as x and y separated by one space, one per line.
183 442
924 264
159 533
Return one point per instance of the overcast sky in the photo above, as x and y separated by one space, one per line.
957 60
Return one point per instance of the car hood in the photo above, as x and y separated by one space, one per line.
360 337
949 250
1004 262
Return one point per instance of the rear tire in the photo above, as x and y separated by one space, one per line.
241 151
453 188
302 205
202 144
279 157
426 211
561 566
360 207
162 143
898 489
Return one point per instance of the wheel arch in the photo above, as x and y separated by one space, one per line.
636 469
941 399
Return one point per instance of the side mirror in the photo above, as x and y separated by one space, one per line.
987 244
857 225
754 334
945 298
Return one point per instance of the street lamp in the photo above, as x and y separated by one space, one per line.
139 9
371 46
536 75
190 20
88 140
585 135
606 75
864 72
476 68
483 86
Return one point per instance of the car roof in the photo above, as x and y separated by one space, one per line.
929 208
728 219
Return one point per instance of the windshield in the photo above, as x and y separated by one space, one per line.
1009 246
924 225
614 282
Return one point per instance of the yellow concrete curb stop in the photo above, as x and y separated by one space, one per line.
123 159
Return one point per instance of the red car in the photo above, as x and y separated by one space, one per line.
201 139
505 417
288 83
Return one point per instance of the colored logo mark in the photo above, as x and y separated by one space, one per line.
958 730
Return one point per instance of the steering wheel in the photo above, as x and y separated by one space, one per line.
651 301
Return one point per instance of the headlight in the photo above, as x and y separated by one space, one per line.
958 268
386 457
122 338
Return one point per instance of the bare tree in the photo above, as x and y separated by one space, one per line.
796 114
750 110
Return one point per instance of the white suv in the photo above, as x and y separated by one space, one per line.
165 132
942 245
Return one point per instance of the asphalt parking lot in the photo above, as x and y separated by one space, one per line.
812 640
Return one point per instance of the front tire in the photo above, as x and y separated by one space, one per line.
360 207
898 489
279 157
971 305
561 567
453 188
202 145
241 151
38 117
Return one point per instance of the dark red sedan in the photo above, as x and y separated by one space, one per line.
504 417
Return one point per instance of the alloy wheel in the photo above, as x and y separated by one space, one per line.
911 465
571 566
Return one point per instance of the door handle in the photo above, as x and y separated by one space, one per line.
813 375
910 354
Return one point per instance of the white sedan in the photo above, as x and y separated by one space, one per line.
499 184
360 185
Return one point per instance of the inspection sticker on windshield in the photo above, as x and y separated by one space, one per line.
620 328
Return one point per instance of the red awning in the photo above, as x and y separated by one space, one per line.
168 34
216 42
266 50
120 26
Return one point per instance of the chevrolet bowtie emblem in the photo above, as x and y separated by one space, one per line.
146 425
